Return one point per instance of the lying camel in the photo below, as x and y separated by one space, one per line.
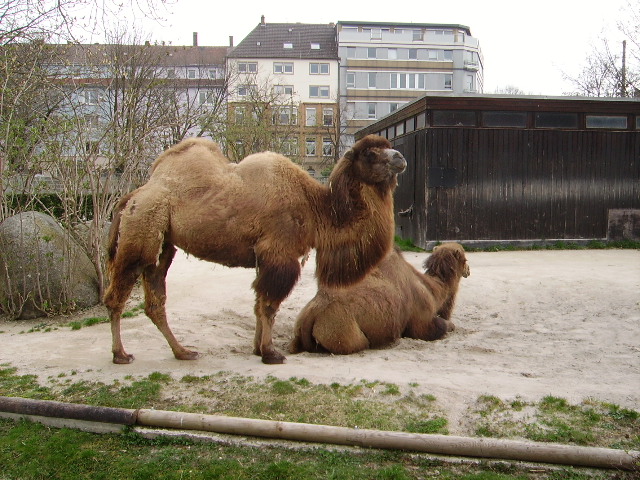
264 213
394 300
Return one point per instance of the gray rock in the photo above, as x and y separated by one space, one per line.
42 270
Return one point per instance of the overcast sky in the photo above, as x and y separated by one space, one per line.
527 45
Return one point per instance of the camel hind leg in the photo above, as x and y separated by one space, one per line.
155 294
114 299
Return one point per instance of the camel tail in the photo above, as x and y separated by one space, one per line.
112 242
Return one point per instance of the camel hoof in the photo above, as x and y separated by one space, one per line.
123 359
187 355
273 358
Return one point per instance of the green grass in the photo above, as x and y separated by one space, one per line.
32 451
407 245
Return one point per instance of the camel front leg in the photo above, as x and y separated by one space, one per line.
263 345
155 294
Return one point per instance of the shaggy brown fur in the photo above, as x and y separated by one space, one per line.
264 213
394 300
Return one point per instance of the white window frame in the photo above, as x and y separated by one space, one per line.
310 116
247 67
311 147
192 73
323 91
92 96
327 147
327 117
351 80
319 68
448 81
372 111
283 68
371 79
283 89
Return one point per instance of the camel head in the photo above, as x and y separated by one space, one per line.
374 162
447 262
370 163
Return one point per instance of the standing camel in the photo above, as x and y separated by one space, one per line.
264 213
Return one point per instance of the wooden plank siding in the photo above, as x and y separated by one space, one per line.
515 184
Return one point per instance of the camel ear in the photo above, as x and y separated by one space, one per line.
349 154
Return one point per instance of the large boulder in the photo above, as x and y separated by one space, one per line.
42 270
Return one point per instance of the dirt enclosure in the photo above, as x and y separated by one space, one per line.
529 324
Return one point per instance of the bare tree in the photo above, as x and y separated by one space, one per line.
260 117
612 69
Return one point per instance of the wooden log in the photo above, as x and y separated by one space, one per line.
436 444
49 408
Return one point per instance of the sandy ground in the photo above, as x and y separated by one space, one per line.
529 324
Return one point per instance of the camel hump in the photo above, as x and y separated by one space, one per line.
189 148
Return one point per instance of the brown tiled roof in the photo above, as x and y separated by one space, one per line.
166 55
267 41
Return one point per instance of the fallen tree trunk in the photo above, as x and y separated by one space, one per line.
427 443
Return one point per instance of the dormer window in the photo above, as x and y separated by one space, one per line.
315 46
288 45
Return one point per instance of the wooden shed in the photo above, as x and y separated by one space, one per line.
487 168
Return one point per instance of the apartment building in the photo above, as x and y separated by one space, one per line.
114 94
386 65
291 68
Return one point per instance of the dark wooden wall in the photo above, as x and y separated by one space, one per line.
515 184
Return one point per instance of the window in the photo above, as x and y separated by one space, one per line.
556 120
393 107
240 114
448 55
285 116
280 67
207 97
319 91
448 81
327 117
310 117
469 83
392 53
289 146
372 52
191 73
244 90
319 68
351 80
372 80
371 110
408 80
283 89
504 119
287 45
171 73
327 147
311 147
92 96
92 121
418 35
454 118
413 54
315 46
351 52
605 121
247 67
432 55
376 33
637 123
399 128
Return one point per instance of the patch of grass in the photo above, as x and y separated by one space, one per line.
134 311
407 245
554 419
